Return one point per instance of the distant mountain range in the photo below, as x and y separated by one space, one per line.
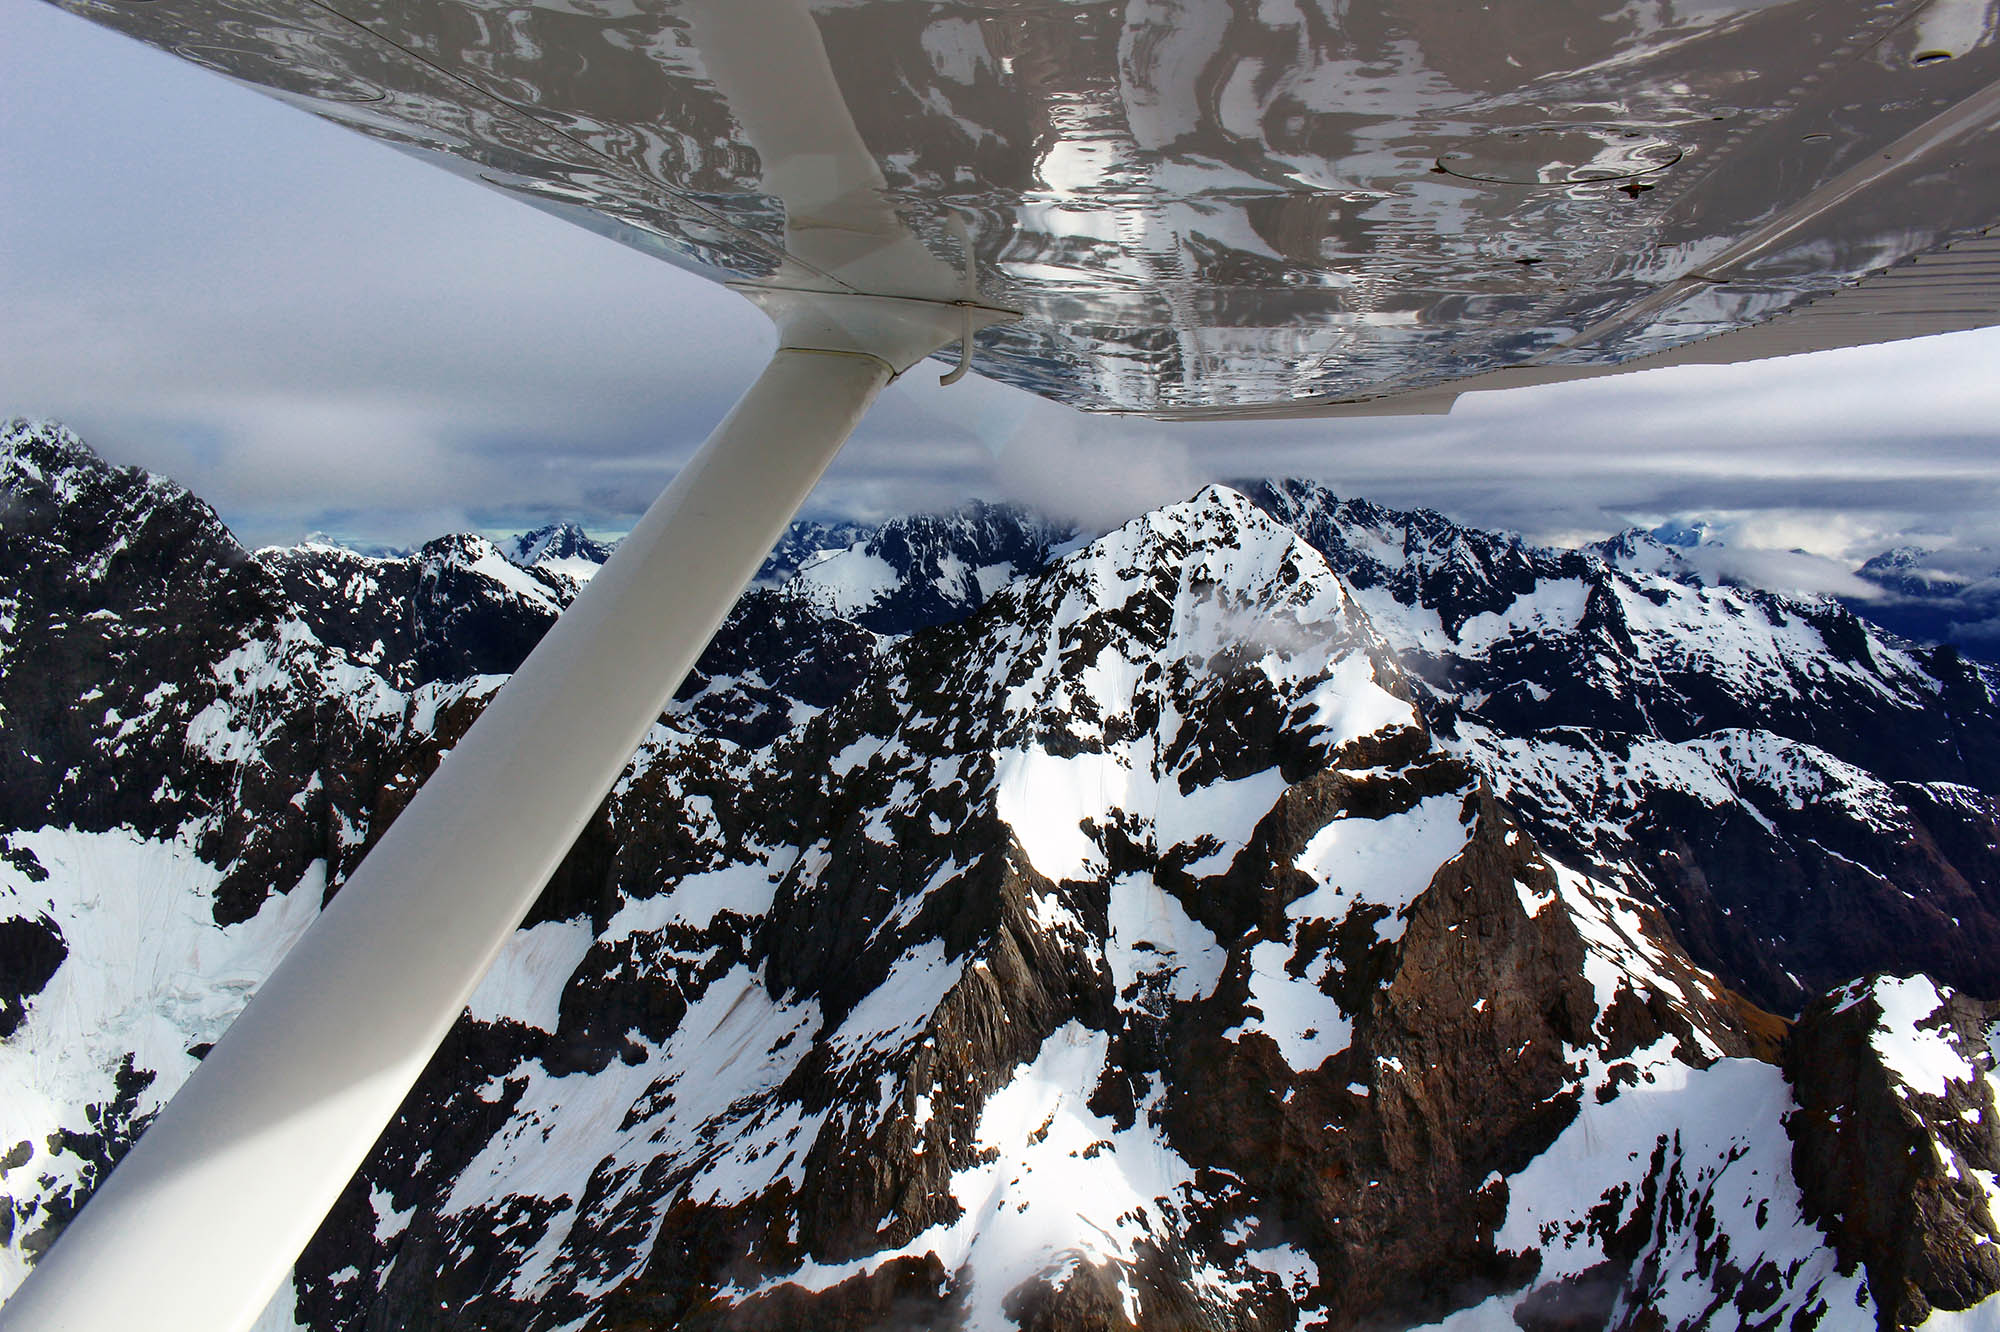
1925 595
1929 600
1279 912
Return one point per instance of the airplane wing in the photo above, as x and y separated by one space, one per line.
1219 207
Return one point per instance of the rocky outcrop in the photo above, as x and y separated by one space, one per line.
1332 1007
559 547
1806 796
1896 1142
914 571
1193 927
31 948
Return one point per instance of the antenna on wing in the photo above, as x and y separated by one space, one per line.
969 302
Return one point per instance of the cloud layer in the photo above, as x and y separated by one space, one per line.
314 332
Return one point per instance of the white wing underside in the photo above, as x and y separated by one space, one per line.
1220 207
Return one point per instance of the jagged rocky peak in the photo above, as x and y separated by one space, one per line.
1897 1141
1420 557
1144 962
117 593
811 625
477 612
1526 639
926 568
319 540
1935 596
1684 533
1280 912
65 503
562 546
1803 792
49 456
1637 550
1908 569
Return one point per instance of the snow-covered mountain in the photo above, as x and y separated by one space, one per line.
1924 595
925 568
558 547
1754 758
1278 912
1636 550
1929 595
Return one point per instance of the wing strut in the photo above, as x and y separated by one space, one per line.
196 1228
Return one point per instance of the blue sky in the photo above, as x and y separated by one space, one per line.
313 331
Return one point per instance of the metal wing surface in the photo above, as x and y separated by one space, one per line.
1229 207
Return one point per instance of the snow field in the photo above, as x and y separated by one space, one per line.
527 979
745 888
1047 798
1719 1136
1379 862
148 975
1154 939
1922 1058
702 1100
847 582
1061 1187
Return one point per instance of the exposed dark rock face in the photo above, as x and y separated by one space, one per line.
1636 550
1808 798
31 948
779 656
558 545
920 570
1198 927
476 612
1896 1141
1922 600
158 679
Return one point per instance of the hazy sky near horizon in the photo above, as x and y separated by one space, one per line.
312 331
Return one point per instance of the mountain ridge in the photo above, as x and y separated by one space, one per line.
1212 923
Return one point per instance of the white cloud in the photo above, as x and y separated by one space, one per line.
297 323
1792 571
